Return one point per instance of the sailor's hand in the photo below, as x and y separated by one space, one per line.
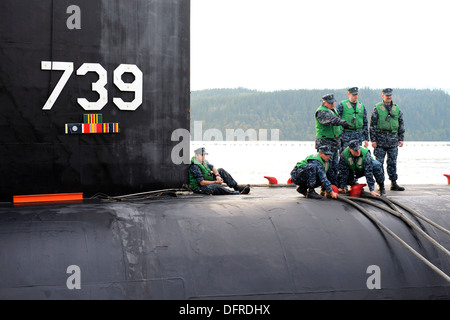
374 194
342 190
366 144
333 195
374 144
219 180
400 144
346 125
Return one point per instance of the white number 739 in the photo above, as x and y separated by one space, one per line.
99 86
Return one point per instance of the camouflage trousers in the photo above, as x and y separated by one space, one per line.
306 176
334 166
219 189
391 161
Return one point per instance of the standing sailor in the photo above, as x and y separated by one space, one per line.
387 132
353 111
329 131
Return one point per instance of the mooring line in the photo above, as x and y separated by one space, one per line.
381 225
413 212
410 223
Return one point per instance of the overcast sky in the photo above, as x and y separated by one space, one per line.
294 44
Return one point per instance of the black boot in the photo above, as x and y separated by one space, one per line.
246 190
302 190
382 189
242 189
396 187
312 194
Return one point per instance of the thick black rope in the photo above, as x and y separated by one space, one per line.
382 226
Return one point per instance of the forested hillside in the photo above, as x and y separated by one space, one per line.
292 111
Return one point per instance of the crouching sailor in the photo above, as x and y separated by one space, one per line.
312 172
205 178
356 162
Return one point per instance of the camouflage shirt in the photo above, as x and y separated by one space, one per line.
324 178
329 119
386 139
344 171
197 172
365 130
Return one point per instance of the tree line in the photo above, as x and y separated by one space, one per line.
292 111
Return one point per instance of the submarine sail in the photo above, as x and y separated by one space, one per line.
90 94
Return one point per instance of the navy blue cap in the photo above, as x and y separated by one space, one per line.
329 98
353 90
325 150
200 151
354 145
387 92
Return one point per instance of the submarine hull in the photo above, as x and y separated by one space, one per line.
272 244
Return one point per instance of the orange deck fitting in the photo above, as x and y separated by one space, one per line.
448 178
54 197
272 180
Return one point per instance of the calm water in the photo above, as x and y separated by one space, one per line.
249 161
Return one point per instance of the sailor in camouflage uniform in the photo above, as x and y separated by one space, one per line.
356 162
353 111
206 179
312 173
387 132
329 131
